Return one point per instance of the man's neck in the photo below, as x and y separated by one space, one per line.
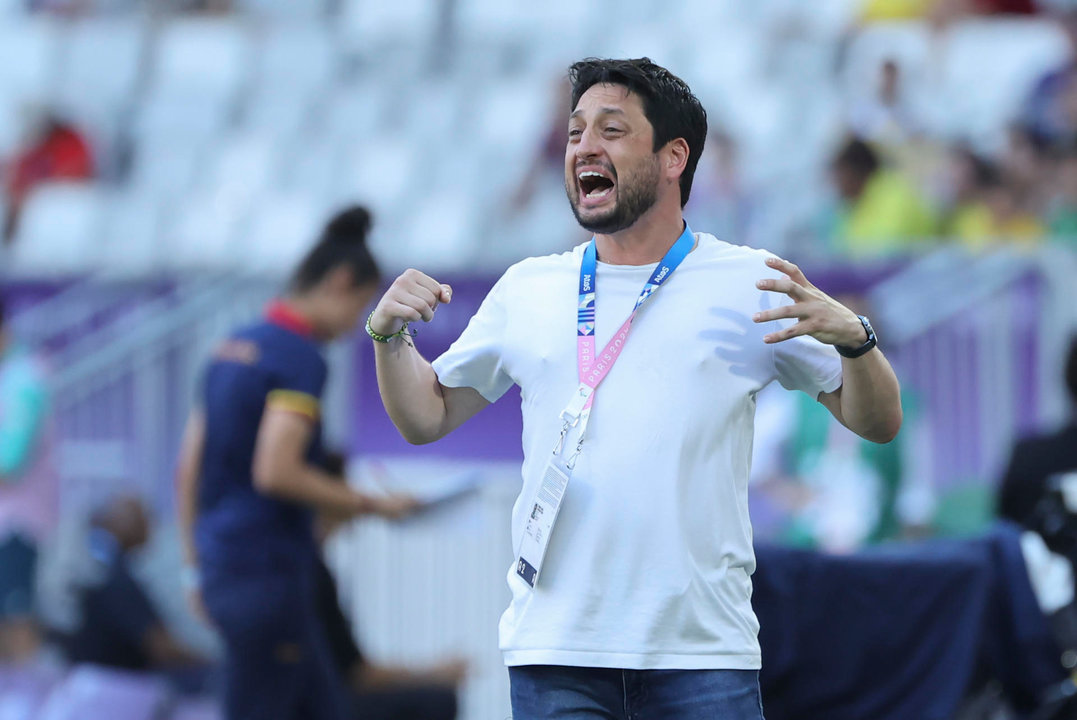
645 242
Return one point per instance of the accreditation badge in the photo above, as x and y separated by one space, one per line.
540 520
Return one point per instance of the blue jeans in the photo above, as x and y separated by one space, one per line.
552 692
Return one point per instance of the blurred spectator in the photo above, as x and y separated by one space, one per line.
992 209
828 488
1037 459
888 10
720 201
1024 163
941 12
1049 110
27 492
119 625
1062 205
548 160
886 117
880 212
55 150
379 692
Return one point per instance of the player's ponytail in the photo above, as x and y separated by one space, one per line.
343 241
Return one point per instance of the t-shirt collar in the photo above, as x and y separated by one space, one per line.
279 312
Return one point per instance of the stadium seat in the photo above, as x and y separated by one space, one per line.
203 235
295 57
368 28
58 229
381 171
100 62
280 232
202 58
28 57
241 166
166 167
130 242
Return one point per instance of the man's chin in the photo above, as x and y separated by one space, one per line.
602 223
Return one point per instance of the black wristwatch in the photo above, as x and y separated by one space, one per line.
855 352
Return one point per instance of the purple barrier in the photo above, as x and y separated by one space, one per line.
493 434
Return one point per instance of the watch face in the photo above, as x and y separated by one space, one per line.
867 326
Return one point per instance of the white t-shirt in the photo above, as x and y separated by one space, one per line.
649 561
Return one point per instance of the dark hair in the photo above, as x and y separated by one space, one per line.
857 156
668 103
1071 369
343 242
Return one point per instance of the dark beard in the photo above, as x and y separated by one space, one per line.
635 197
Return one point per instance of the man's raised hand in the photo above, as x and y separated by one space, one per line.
817 314
413 296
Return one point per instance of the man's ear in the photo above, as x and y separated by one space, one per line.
676 158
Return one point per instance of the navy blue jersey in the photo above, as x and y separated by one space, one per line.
274 363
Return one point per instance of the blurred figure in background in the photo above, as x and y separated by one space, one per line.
880 211
379 692
28 500
831 489
995 213
250 477
54 150
1062 203
886 117
1037 459
1045 112
721 200
119 625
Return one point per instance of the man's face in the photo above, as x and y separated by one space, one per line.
612 173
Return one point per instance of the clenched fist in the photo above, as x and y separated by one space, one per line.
412 296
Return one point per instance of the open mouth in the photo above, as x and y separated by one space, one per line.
594 185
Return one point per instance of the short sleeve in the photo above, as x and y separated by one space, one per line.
804 363
298 386
476 359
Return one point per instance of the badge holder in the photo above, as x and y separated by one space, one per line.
547 502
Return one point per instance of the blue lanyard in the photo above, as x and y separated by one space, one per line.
594 367
585 317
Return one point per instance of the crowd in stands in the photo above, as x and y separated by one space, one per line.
887 175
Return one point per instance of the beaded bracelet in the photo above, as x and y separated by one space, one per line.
378 337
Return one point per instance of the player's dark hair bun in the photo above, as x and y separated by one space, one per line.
343 241
350 224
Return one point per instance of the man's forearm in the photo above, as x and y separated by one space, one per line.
410 391
871 397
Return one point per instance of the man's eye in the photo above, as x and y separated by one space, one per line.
575 132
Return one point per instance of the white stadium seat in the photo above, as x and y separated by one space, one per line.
100 61
203 58
28 57
280 232
58 229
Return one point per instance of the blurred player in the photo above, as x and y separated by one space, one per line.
249 480
28 497
631 599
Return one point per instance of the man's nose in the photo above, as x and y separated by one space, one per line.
588 147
